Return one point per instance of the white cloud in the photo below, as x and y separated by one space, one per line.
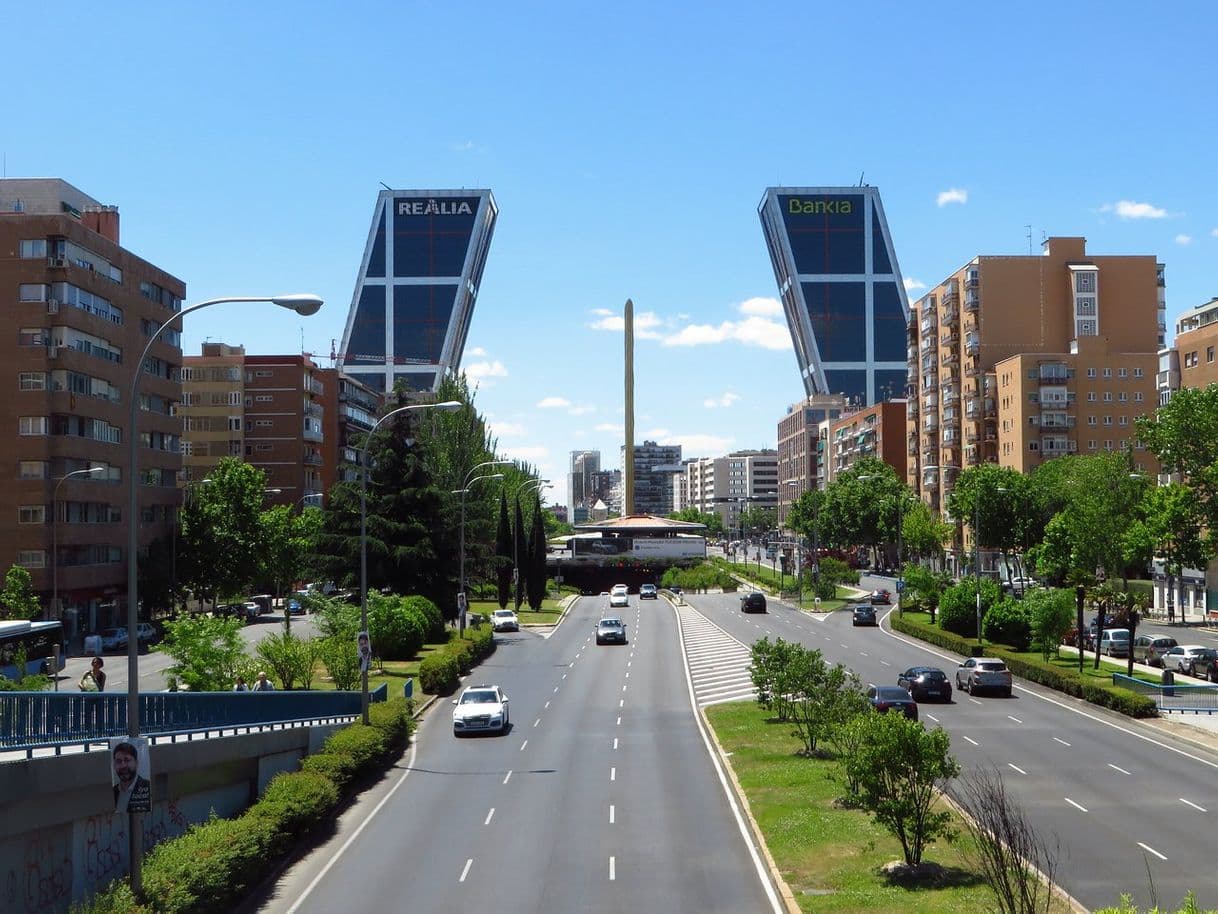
952 195
610 427
477 351
695 445
480 370
581 410
531 453
601 312
1128 209
645 324
511 429
1184 239
1214 232
725 401
656 434
553 403
762 307
752 331
913 285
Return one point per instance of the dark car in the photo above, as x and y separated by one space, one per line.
925 683
864 614
611 630
892 698
752 602
881 597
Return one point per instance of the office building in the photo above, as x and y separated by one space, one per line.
801 448
1045 307
349 411
83 309
731 484
417 286
877 431
841 289
654 468
580 491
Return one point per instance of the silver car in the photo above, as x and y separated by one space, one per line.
1149 649
984 673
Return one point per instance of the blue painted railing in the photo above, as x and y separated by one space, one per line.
1199 699
53 718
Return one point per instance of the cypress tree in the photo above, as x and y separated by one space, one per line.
537 559
522 554
503 554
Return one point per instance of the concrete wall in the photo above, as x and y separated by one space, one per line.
60 840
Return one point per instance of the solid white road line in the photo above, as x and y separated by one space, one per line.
1016 719
1193 805
1062 741
973 741
932 717
1149 849
1075 805
465 872
490 815
613 774
1118 768
612 869
610 813
973 700
1016 767
615 742
507 777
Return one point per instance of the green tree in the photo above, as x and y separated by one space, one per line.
925 535
712 521
537 560
1183 435
17 598
289 657
926 586
1169 524
768 660
288 540
958 606
520 547
503 551
397 633
759 520
850 515
991 496
1009 622
1052 612
815 692
220 551
900 768
341 660
206 652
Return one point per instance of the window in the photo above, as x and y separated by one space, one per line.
1108 445
1108 420
1124 421
1108 372
263 423
1091 420
1108 396
32 469
1091 372
32 425
32 248
31 336
234 423
1137 397
1092 444
1033 445
1123 397
1091 397
32 514
262 373
1137 372
33 380
1209 354
32 558
187 448
264 398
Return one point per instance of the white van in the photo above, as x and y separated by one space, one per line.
1115 642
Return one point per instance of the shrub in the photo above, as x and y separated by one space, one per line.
393 719
362 743
287 656
434 628
338 769
439 673
958 606
297 801
837 572
211 867
341 660
1053 614
1009 622
397 633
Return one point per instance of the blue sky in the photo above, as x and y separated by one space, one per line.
628 147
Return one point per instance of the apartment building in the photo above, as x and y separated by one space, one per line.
1197 345
801 447
654 467
84 308
878 431
580 493
212 409
997 307
1082 401
728 485
349 409
284 424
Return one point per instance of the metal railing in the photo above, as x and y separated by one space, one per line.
1196 699
32 720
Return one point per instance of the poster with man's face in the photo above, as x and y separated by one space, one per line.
130 774
364 646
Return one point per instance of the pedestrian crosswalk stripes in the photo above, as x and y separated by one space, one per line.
718 663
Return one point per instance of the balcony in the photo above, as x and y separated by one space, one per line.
950 314
309 435
950 337
928 324
928 307
930 422
972 301
311 458
930 381
972 368
972 343
949 292
930 401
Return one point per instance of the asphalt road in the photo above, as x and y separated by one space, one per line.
603 796
1126 806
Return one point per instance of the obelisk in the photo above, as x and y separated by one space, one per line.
628 460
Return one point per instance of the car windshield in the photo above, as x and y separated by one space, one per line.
891 693
504 613
991 666
610 622
931 674
485 696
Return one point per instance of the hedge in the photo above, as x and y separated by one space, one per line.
1034 670
212 867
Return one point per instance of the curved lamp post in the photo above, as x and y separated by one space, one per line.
462 599
537 485
303 305
446 406
55 535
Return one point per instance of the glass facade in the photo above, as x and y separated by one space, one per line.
841 289
417 287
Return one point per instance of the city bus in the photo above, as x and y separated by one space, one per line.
38 640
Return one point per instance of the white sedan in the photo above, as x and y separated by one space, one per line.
504 620
480 709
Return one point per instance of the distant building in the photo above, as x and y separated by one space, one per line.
417 286
841 289
81 309
580 490
654 468
877 431
349 411
800 448
728 485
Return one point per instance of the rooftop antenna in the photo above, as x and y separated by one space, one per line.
1029 228
861 184
384 185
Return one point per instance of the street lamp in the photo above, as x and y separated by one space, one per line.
463 600
55 534
304 498
303 305
446 406
537 484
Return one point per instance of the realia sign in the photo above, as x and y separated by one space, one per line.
436 207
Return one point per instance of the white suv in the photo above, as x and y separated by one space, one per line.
480 708
619 595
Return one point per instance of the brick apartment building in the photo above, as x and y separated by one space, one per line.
877 431
800 448
84 309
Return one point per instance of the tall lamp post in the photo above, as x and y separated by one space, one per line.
446 406
55 534
303 305
463 600
537 485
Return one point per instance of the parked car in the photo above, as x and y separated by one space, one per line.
610 629
505 620
892 698
480 708
145 632
1115 642
1149 649
984 673
1190 659
113 639
881 598
648 592
250 610
864 614
926 682
265 602
752 602
295 607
